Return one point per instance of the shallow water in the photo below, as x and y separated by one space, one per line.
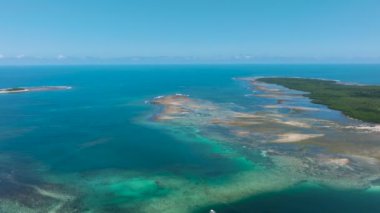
96 147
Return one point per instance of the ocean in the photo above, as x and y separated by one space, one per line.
98 146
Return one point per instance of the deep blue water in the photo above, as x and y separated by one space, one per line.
55 128
305 199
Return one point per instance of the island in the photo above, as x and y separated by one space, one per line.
356 101
32 89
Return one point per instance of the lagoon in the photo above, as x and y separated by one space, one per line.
99 146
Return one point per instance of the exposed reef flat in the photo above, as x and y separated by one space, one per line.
357 101
360 138
266 126
32 89
312 146
291 128
270 125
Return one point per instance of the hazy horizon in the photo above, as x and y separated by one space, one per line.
167 31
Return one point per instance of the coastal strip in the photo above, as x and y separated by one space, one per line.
32 89
360 102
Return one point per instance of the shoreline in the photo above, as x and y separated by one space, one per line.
15 90
361 102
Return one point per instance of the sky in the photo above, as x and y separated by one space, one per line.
223 29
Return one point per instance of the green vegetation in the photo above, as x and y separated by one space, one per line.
15 89
356 101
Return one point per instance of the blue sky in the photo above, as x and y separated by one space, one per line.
201 28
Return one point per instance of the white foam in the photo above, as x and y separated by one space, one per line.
368 128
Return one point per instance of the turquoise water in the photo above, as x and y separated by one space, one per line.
96 148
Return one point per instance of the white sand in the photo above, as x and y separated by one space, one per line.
293 123
295 137
374 128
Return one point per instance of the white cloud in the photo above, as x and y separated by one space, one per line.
60 57
1 56
20 56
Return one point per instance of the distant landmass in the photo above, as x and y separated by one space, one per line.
32 89
357 101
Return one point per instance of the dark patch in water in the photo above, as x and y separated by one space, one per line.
304 199
376 182
23 194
